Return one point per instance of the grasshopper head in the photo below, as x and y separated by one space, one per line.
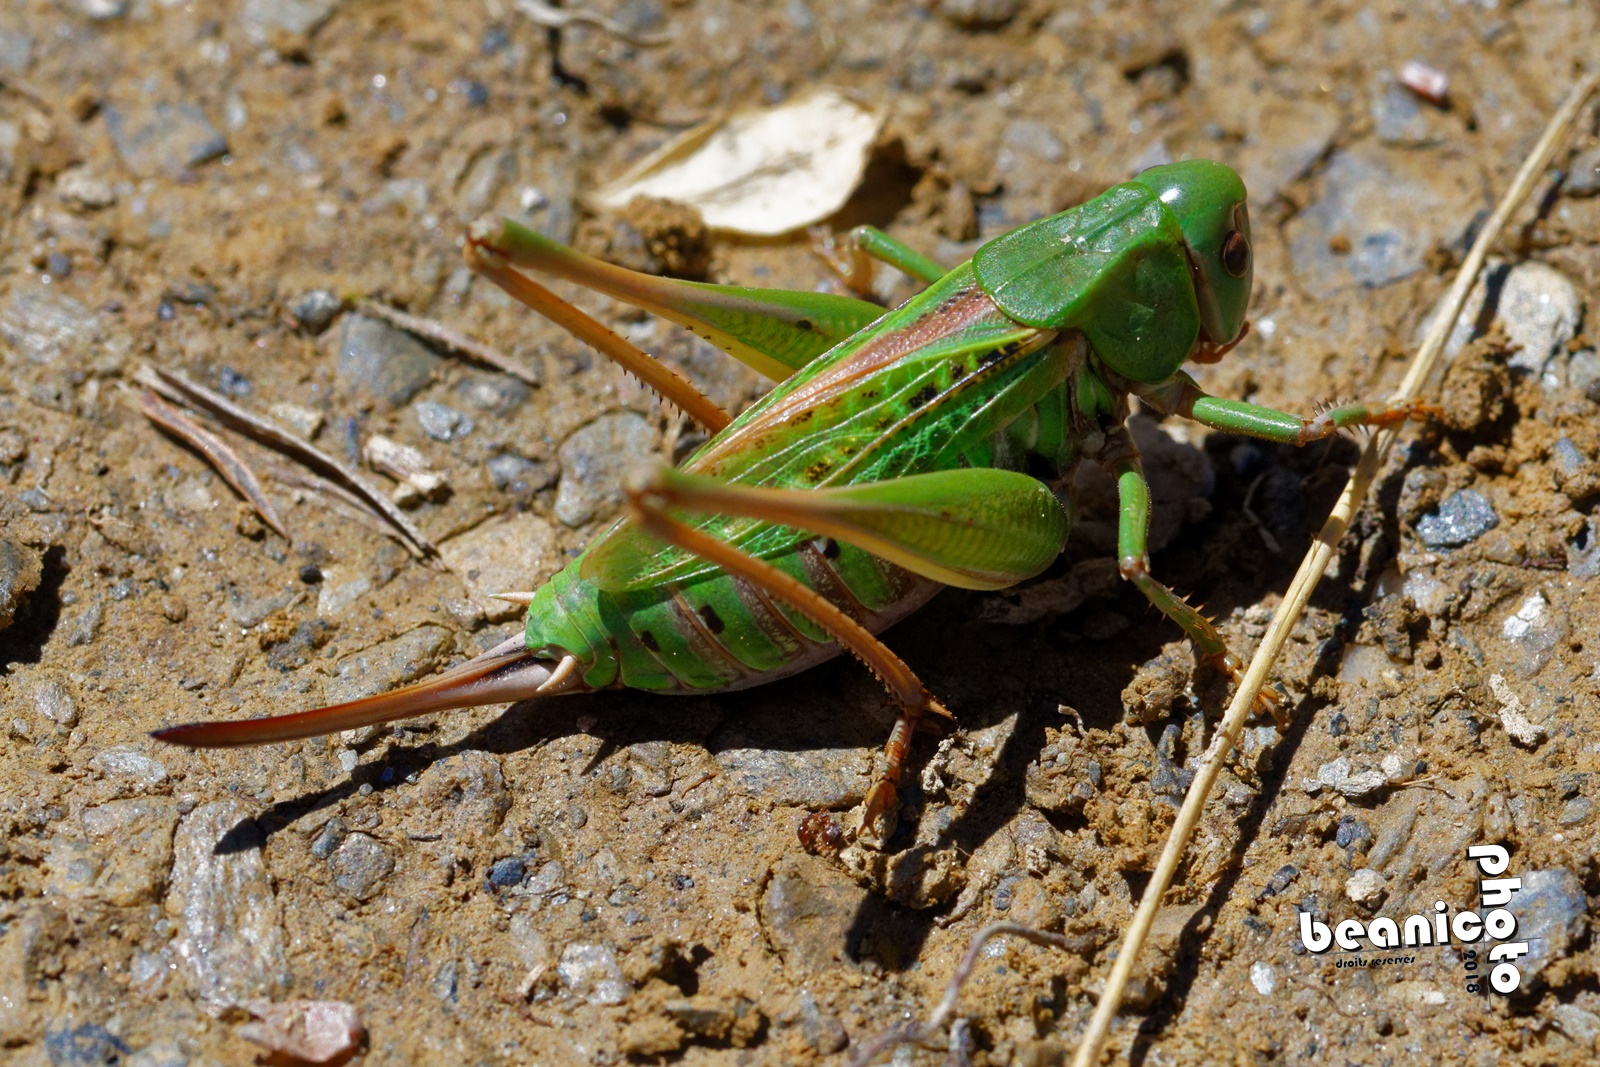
1208 200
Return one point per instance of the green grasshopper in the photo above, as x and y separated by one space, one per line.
900 451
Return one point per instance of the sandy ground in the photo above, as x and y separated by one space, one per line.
616 877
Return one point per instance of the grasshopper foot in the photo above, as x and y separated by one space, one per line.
1267 702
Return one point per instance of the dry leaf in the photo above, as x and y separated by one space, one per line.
761 173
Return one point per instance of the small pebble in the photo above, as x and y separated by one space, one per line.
360 864
503 874
383 361
1584 177
1336 775
595 461
591 971
1263 977
55 704
163 137
1552 915
78 188
1366 887
1575 811
128 762
304 1031
303 422
314 311
1460 519
442 423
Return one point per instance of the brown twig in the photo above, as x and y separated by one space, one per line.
233 469
181 390
445 337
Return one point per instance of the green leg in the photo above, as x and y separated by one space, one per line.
851 257
1179 395
1133 560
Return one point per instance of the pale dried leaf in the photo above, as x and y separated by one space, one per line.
761 173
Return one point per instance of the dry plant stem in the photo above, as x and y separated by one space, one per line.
440 334
180 390
216 451
1310 572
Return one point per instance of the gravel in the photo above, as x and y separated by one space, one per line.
1461 519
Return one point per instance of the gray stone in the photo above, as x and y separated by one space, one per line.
442 423
818 778
1398 117
263 19
20 572
514 474
40 324
230 933
1552 914
591 971
250 611
55 704
497 393
360 864
126 761
514 554
1538 307
81 628
1567 456
1575 811
161 137
596 459
123 856
1386 209
314 311
1462 518
1583 179
1337 775
808 911
383 361
822 1030
16 51
1533 631
387 664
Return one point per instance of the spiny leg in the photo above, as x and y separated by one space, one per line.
1179 395
975 528
649 505
1133 560
851 256
668 383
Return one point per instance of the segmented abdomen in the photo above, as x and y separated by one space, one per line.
718 632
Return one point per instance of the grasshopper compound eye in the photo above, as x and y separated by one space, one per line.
1236 254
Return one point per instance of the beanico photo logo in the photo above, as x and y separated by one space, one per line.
1493 921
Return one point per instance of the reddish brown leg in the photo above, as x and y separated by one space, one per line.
649 506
